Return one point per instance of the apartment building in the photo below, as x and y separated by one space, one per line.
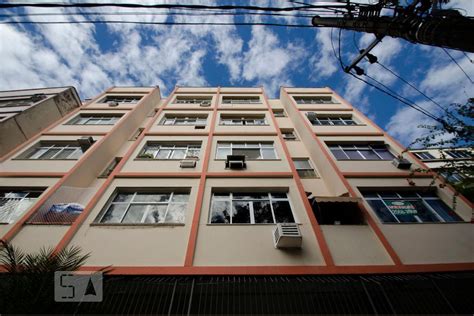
211 197
25 113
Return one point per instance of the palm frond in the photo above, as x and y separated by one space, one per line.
12 258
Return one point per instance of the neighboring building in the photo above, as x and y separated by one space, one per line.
447 161
25 113
231 202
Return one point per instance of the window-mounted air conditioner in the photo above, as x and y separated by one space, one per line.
205 103
311 115
401 163
287 235
85 142
235 162
187 163
289 136
113 103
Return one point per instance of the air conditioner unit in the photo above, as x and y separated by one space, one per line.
235 162
187 163
199 126
85 142
113 103
289 136
205 103
311 115
401 163
287 235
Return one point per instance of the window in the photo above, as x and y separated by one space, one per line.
247 120
170 151
304 168
124 99
250 208
14 202
184 120
279 113
361 152
193 100
330 120
252 151
314 100
424 155
15 102
50 150
241 100
452 176
289 134
409 207
459 154
94 119
144 207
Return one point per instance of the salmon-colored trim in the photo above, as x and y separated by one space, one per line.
75 133
386 175
245 134
176 133
378 232
50 127
191 248
17 226
158 175
281 270
348 133
245 174
107 108
320 239
241 108
85 213
32 174
177 107
402 148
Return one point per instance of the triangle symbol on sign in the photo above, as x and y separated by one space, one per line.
90 290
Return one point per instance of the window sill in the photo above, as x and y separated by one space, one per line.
137 225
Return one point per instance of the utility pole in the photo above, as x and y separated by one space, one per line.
443 28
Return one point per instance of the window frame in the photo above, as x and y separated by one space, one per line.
358 148
18 200
244 120
420 155
314 99
279 113
287 132
319 119
241 100
309 170
100 117
134 192
270 199
122 99
50 145
418 198
464 154
194 100
232 144
198 120
172 147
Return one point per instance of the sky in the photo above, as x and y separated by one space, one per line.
94 57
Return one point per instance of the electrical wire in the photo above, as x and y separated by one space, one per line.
468 58
459 66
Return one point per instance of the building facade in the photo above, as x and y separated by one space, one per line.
206 181
25 113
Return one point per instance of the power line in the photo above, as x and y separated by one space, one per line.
459 66
160 23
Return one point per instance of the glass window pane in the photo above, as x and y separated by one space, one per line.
76 154
178 154
279 195
240 212
382 212
222 153
339 154
180 197
123 197
268 153
369 194
405 211
93 121
283 212
262 212
306 173
176 213
163 154
65 153
220 212
156 213
385 154
249 153
369 154
353 154
50 153
444 211
302 164
135 213
114 213
249 196
152 197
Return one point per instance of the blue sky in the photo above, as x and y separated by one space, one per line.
95 57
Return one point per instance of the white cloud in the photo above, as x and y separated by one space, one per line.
324 63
